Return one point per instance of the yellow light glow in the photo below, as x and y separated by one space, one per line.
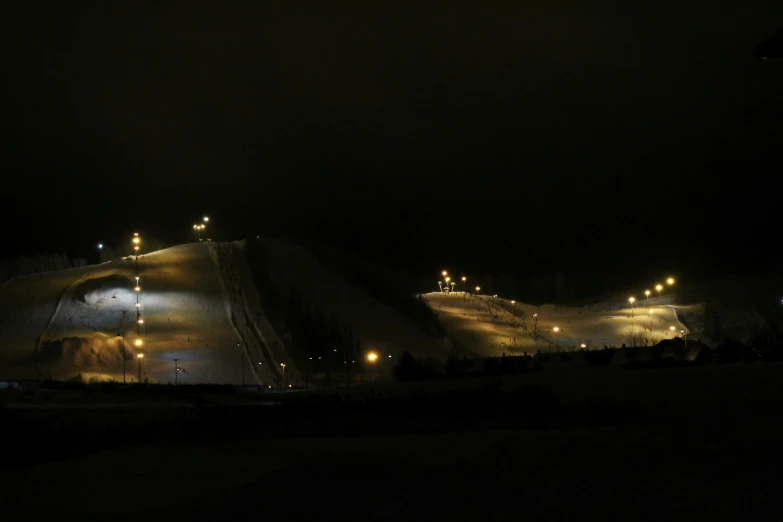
513 302
464 278
671 328
650 310
444 273
135 233
659 287
136 240
647 293
138 305
556 329
372 356
631 300
448 279
206 219
584 345
138 289
136 248
670 281
478 288
138 342
140 356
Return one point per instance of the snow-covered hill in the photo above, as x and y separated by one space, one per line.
199 306
489 326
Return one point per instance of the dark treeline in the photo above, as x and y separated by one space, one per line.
35 264
317 341
395 288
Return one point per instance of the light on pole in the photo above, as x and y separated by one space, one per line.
513 308
671 328
647 293
670 281
555 330
464 285
477 289
283 365
139 357
659 288
632 300
372 358
584 346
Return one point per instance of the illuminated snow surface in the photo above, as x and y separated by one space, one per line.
199 305
484 325
70 321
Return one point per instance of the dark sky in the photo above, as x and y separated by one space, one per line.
547 134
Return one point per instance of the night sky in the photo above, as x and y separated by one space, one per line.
518 135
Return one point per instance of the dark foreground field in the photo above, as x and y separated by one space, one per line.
561 444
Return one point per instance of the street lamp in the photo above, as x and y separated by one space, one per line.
659 288
670 281
206 219
139 357
464 290
372 357
137 288
477 289
444 273
283 365
513 308
672 330
632 300
555 330
584 346
138 342
647 293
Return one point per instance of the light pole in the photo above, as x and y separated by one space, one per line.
584 346
447 284
372 358
632 300
464 285
535 327
452 286
670 281
555 330
440 286
195 232
513 309
283 365
100 252
685 338
671 328
647 293
659 287
477 289
176 372
122 349
140 357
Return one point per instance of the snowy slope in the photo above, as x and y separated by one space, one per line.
194 303
485 325
199 306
